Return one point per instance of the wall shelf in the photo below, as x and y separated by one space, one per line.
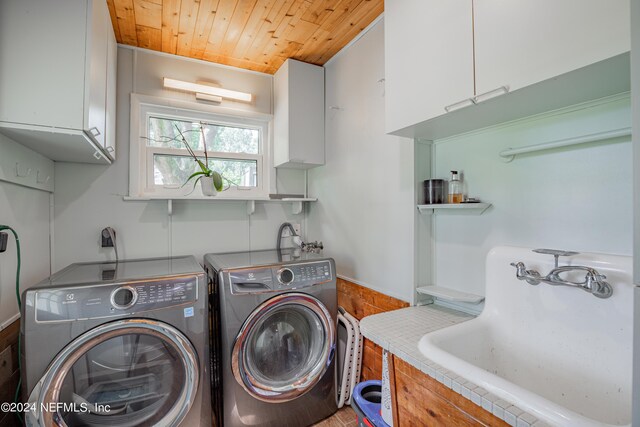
297 204
452 295
475 208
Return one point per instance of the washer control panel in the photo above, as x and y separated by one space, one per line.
86 302
281 277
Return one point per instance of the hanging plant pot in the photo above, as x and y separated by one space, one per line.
208 189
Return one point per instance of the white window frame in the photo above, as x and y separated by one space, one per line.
141 171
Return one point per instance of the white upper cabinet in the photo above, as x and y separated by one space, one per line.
428 59
57 78
453 66
298 115
522 42
110 100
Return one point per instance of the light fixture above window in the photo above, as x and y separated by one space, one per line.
206 92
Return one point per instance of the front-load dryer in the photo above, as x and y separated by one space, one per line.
274 315
120 344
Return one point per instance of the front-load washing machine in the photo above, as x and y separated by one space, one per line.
118 344
274 315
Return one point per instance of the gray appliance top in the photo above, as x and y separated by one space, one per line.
122 271
260 258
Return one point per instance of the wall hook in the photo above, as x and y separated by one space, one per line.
42 181
22 175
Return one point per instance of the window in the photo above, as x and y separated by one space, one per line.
233 144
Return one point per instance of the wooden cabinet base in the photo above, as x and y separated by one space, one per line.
422 401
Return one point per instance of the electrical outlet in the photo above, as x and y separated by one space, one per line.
106 241
4 237
298 229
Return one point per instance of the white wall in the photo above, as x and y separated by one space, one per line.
635 105
576 198
27 211
365 208
89 198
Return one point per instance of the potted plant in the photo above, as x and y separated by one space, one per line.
211 181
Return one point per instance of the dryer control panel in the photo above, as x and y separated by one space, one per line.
280 277
97 301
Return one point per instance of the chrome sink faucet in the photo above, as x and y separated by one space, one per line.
593 283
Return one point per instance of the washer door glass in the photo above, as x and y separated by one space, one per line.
284 347
126 373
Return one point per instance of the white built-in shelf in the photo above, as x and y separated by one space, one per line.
475 208
218 198
296 202
450 294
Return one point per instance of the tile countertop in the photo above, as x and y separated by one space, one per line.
399 332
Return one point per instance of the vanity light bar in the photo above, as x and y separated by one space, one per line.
207 90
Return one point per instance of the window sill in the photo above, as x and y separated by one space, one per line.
297 204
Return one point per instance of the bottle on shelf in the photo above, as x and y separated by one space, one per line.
455 188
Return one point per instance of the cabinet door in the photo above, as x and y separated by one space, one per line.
112 70
42 50
428 59
96 79
298 91
521 42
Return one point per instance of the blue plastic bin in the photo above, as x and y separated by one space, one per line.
365 401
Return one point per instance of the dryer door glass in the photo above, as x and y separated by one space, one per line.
284 347
128 373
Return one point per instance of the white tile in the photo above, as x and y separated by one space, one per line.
448 379
499 407
502 403
487 404
526 420
514 412
466 393
510 419
480 391
476 398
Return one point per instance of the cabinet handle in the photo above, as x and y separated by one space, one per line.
97 155
22 175
491 94
459 105
94 131
110 149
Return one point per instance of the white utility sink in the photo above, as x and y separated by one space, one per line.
559 353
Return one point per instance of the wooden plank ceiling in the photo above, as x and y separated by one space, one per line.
257 35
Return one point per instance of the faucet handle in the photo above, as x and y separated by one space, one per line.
531 276
556 253
520 267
